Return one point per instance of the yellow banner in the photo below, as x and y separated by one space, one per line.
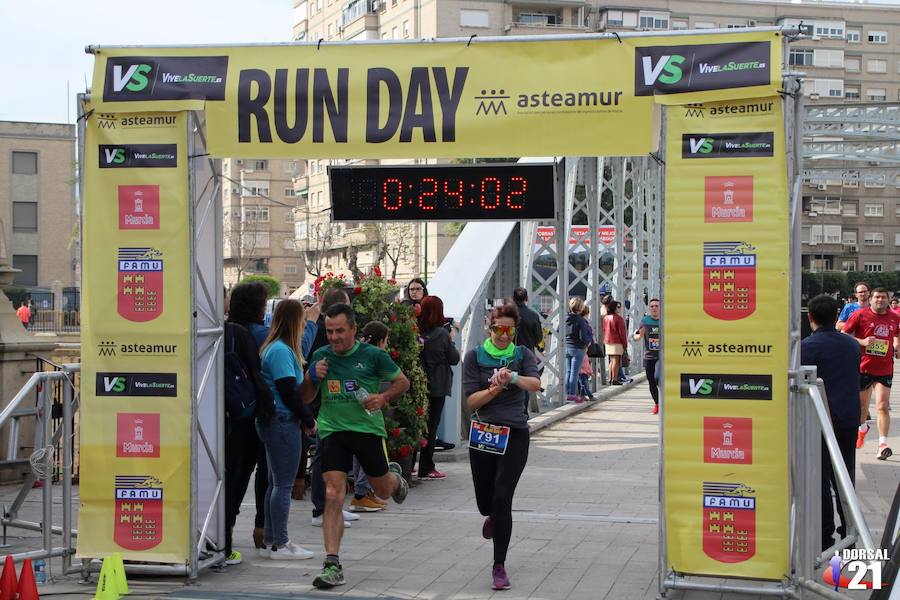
539 98
136 339
725 358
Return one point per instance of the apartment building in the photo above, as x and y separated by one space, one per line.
259 198
38 204
851 55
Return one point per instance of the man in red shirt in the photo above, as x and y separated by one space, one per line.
876 328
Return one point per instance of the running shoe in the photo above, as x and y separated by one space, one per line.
365 504
884 452
861 437
371 495
655 410
317 521
332 575
403 489
501 581
434 474
487 530
440 445
234 558
572 399
289 551
349 516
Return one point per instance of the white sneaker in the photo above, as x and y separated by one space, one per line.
290 551
317 521
349 516
263 552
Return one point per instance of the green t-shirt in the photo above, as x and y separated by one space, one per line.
363 367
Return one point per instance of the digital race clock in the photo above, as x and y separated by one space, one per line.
492 191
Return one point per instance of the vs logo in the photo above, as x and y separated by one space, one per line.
115 385
114 156
701 386
670 64
134 79
701 145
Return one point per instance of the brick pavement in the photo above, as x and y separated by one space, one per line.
585 527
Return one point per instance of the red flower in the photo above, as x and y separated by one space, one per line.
405 451
377 271
393 318
395 355
392 281
395 432
357 290
420 411
423 443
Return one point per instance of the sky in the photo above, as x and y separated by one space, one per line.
42 41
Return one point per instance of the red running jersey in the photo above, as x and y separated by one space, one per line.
878 356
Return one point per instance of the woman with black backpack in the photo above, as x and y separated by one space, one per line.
438 354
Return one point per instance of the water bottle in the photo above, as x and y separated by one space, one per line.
40 571
362 395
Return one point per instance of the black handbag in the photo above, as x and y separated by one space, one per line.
595 350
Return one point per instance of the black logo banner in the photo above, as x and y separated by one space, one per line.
726 387
756 144
137 384
134 78
701 67
124 156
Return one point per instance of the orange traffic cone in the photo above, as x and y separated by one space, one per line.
8 580
27 589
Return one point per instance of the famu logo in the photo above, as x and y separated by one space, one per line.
135 78
726 387
755 144
128 156
699 67
137 384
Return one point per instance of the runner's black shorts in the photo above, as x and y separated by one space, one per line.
866 380
339 448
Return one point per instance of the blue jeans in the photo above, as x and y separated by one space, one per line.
282 438
361 485
574 358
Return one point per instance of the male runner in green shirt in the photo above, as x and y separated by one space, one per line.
348 427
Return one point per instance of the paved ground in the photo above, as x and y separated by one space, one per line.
585 527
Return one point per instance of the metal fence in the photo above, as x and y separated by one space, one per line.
55 321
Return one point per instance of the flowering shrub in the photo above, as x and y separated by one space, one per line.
374 299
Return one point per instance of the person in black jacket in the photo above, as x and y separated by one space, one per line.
241 440
578 338
530 332
438 354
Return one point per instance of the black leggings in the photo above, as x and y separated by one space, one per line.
650 370
495 477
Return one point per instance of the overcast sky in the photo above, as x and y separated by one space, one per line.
42 41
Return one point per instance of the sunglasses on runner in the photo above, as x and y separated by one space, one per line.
509 330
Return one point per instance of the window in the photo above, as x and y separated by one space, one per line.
801 57
329 32
876 65
897 239
848 238
830 29
300 230
289 217
621 18
255 239
850 179
849 209
406 29
873 267
897 266
897 211
874 210
394 33
704 25
851 93
877 37
290 269
876 94
828 88
255 188
261 165
826 234
678 24
256 213
25 217
825 205
852 64
24 163
833 59
853 36
28 264
649 20
290 192
848 265
873 238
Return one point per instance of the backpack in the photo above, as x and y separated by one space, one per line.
240 393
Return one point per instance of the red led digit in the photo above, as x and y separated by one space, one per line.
392 193
428 181
485 184
457 193
518 194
